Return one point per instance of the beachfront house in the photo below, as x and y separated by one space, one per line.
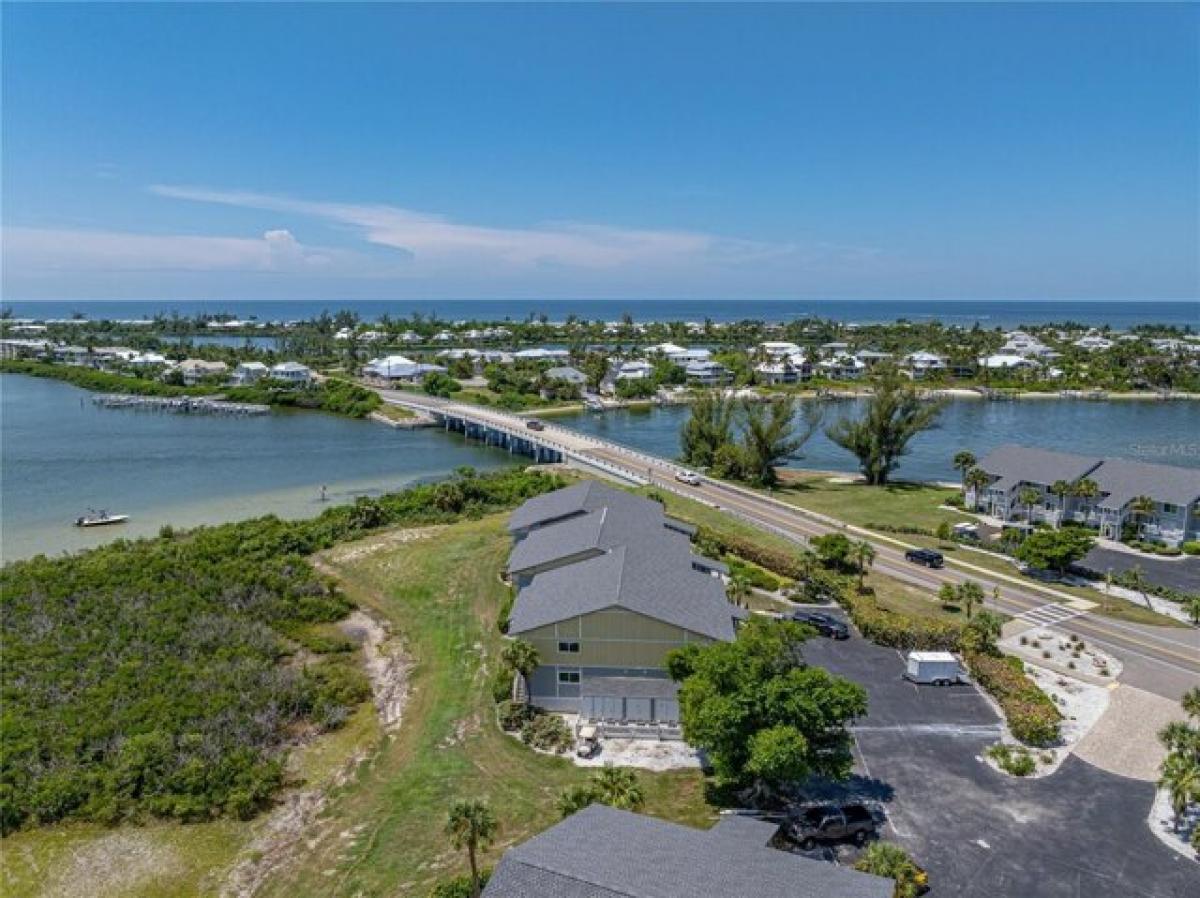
783 371
1007 361
777 349
603 852
606 585
842 367
707 374
679 355
249 372
1115 506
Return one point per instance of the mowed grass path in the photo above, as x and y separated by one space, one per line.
385 835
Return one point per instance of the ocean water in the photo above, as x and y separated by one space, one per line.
997 313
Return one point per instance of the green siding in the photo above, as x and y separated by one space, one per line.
610 638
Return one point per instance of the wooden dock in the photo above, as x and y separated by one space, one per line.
180 405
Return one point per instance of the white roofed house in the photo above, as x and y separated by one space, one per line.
842 367
248 373
922 364
777 372
148 360
1007 361
774 349
291 373
707 374
872 357
399 368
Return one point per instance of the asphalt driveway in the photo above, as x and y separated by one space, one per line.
1080 832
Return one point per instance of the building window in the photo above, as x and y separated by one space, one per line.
1168 508
568 676
569 647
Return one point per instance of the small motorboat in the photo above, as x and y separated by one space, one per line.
99 519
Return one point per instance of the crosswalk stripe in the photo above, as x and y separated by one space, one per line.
1051 614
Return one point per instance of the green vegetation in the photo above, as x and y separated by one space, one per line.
617 787
340 397
163 677
1055 550
1180 770
471 825
894 414
1032 716
760 713
442 593
892 862
438 384
1013 759
99 381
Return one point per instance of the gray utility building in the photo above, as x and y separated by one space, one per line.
607 584
601 852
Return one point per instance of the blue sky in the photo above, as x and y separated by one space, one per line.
406 151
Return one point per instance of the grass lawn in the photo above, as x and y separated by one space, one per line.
384 828
394 412
917 505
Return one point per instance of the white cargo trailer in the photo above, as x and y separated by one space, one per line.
939 668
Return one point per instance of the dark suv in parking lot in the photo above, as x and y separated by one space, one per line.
825 624
927 557
832 823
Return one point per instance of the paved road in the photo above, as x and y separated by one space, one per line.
1163 660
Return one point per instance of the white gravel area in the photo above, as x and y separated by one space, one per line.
647 754
1047 647
1162 824
1081 704
1163 606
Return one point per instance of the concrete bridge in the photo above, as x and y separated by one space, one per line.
1159 659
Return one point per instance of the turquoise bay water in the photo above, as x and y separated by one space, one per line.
61 454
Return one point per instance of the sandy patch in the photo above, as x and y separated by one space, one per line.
646 754
386 664
371 545
125 860
1125 740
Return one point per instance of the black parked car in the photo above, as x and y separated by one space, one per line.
832 823
927 557
825 624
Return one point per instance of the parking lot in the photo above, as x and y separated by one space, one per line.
1079 832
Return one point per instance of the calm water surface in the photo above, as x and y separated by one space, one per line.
1151 431
62 454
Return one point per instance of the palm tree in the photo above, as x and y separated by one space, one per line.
963 462
1062 489
618 787
970 594
1142 508
1028 496
471 825
987 624
1085 489
1191 702
737 589
1181 778
947 595
863 554
977 479
1136 579
522 658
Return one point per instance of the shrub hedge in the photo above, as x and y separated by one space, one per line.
1032 716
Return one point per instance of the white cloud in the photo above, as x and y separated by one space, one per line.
49 250
435 242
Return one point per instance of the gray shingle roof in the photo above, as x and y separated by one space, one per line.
589 495
1024 463
1125 480
626 578
561 540
601 852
